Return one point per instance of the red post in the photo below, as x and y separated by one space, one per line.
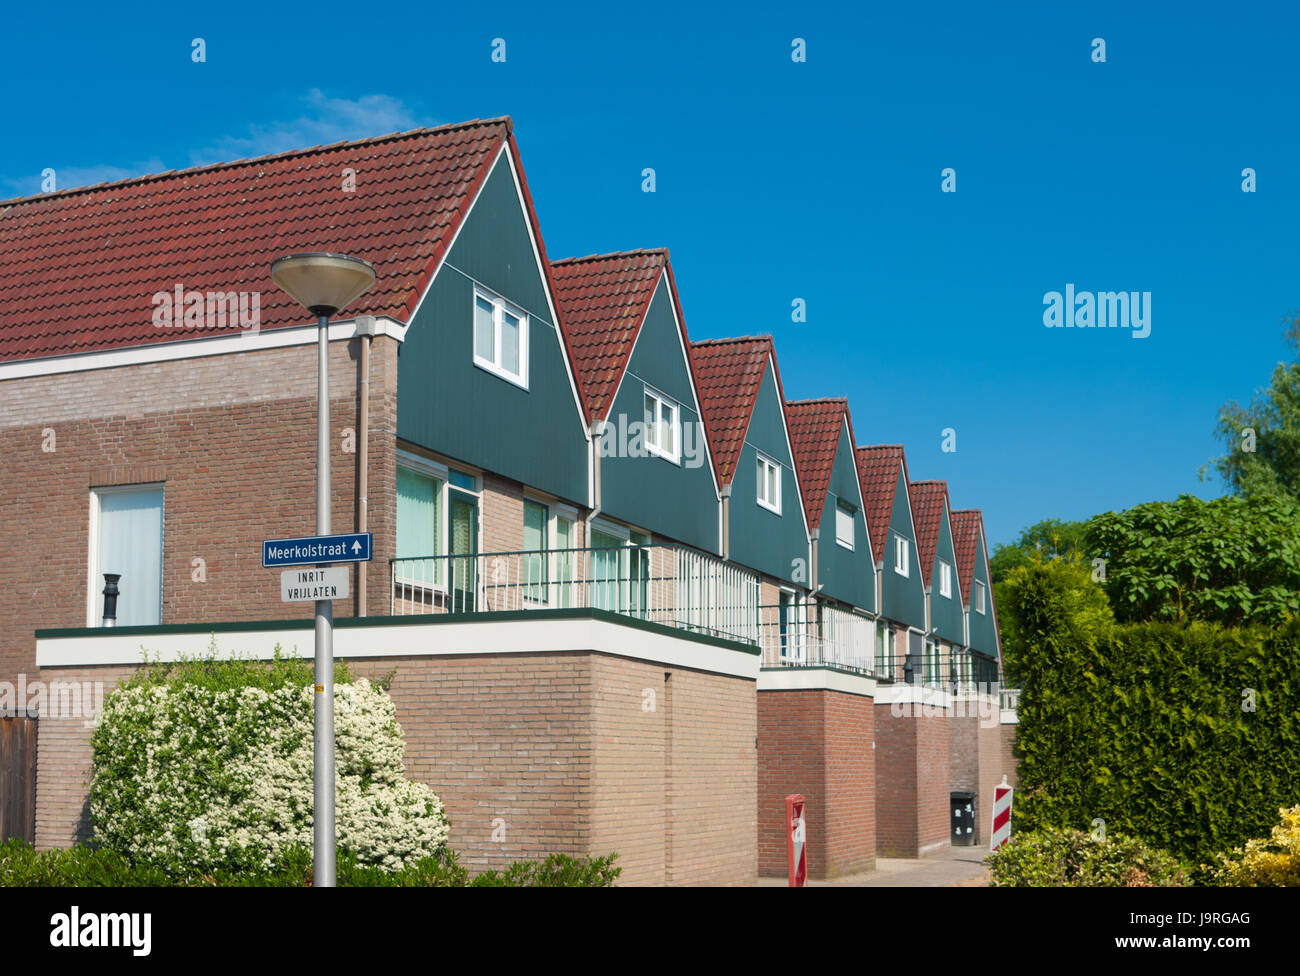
795 834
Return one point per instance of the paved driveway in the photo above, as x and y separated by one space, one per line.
951 868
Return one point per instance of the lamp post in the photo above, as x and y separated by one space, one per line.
324 284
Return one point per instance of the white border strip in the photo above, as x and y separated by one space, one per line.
901 693
194 348
408 640
816 679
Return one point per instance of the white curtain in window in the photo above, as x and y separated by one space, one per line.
130 544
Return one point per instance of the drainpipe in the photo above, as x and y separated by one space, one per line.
366 331
595 431
812 552
725 547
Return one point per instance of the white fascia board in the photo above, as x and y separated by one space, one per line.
904 694
195 348
406 640
816 679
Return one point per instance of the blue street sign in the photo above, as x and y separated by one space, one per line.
351 547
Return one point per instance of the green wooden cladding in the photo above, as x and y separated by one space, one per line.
983 630
903 597
676 500
760 539
946 611
845 574
449 405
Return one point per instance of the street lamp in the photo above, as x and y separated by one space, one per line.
324 284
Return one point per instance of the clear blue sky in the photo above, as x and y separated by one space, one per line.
819 180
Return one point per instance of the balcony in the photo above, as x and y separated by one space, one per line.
955 669
816 635
668 585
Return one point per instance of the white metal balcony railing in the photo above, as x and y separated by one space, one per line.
668 585
804 635
685 589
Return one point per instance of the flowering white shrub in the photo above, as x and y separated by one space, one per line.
193 776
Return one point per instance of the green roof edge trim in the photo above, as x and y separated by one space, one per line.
343 623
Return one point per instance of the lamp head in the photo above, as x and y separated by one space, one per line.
324 284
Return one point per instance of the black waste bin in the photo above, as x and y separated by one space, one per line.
963 818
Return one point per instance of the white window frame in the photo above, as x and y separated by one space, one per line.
796 650
842 508
978 590
766 464
902 556
556 511
674 456
436 469
494 366
945 579
95 591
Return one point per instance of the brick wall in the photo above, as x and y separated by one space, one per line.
912 781
232 439
712 779
817 743
533 754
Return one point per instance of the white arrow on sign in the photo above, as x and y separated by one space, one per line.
356 546
309 584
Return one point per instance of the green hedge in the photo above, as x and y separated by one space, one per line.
1143 726
21 866
1072 858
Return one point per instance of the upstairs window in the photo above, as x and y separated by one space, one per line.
977 597
769 484
902 555
844 525
945 579
661 420
500 337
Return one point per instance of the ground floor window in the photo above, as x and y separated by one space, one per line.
127 541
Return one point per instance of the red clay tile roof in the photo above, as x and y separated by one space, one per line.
878 471
815 434
729 374
929 499
602 301
966 526
78 268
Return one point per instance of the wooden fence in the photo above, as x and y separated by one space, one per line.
18 778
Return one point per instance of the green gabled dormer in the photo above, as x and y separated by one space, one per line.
484 375
973 569
651 463
822 435
882 470
764 524
938 561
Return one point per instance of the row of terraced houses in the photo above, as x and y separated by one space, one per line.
633 596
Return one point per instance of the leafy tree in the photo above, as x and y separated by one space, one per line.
1042 540
1232 560
1056 596
1262 439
